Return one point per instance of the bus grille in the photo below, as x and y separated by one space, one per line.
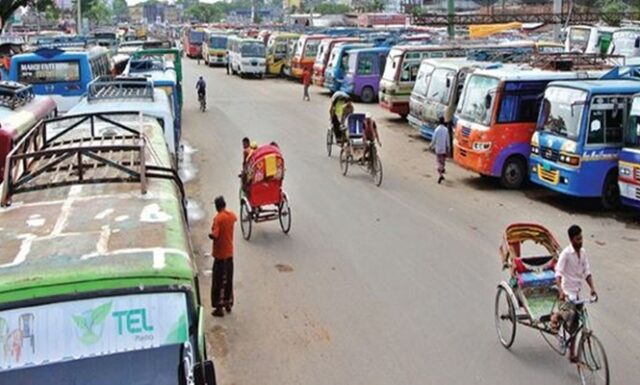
549 153
466 131
548 176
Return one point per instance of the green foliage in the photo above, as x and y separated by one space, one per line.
120 8
331 9
206 13
52 12
99 13
611 10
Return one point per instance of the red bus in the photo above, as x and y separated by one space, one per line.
192 41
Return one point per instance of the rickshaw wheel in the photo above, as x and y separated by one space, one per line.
377 171
593 366
245 219
329 141
556 341
505 314
344 161
284 214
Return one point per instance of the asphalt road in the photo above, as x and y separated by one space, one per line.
389 285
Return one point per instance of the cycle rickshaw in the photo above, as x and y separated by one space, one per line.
262 198
353 150
529 298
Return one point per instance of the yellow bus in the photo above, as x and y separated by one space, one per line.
280 49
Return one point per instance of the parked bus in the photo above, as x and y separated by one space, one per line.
437 89
107 262
576 147
588 39
629 164
280 49
129 47
64 75
625 42
305 54
365 68
247 56
20 110
214 48
401 71
192 41
107 39
324 53
496 117
337 65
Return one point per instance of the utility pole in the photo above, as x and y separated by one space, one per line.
557 28
79 25
451 9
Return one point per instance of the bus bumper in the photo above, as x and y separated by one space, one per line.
479 162
562 179
400 108
425 130
630 194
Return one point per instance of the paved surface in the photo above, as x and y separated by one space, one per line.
389 285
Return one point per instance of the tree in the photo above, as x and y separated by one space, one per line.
331 9
120 9
100 13
205 13
8 7
611 10
52 12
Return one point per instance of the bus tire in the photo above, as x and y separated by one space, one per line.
514 173
610 197
367 95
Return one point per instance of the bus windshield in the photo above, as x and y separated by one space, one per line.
562 111
218 42
632 134
624 42
49 72
196 37
473 107
311 49
252 50
579 39
439 88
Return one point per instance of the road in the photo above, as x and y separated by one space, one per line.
389 285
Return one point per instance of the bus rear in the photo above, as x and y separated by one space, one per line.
305 54
629 164
193 39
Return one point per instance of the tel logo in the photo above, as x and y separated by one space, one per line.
90 323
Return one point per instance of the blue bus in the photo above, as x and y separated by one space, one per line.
64 75
629 164
365 67
337 64
576 146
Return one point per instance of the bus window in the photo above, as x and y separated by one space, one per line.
438 89
606 122
423 80
51 72
521 102
409 71
365 65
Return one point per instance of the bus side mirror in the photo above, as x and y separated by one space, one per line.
636 44
448 82
205 373
487 101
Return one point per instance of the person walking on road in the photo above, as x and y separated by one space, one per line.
440 143
222 274
306 82
572 269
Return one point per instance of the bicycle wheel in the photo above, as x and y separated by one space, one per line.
329 141
284 214
556 341
593 366
505 314
376 172
344 161
245 220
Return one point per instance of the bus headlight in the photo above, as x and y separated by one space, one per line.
571 160
481 146
535 150
625 171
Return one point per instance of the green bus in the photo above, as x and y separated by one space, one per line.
98 284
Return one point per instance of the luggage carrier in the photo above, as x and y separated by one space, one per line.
84 149
119 87
14 95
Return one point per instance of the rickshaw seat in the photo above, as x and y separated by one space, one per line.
544 278
355 125
535 271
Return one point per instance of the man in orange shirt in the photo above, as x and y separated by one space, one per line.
222 275
306 82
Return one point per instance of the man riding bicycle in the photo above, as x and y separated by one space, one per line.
201 86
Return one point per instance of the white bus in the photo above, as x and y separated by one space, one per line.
246 56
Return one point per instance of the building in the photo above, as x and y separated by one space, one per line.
64 4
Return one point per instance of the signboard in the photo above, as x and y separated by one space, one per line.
49 72
94 327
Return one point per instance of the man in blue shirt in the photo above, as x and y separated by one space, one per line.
440 143
201 86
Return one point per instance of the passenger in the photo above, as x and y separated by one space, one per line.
370 135
571 270
440 143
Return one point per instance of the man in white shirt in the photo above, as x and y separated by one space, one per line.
440 143
572 269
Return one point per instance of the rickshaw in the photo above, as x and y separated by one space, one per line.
331 136
353 150
530 296
262 198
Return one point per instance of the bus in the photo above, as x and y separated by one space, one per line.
324 53
305 54
401 71
107 262
64 75
625 42
337 65
588 39
192 41
246 56
437 90
112 94
576 147
129 47
496 117
107 39
20 110
280 49
365 68
214 48
629 163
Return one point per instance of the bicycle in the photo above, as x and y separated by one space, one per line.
203 102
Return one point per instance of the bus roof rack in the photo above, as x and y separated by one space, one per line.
14 95
573 61
120 87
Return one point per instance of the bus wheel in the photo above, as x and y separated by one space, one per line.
611 192
367 95
514 172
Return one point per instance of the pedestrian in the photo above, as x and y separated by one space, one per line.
222 274
440 143
306 82
228 63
